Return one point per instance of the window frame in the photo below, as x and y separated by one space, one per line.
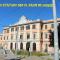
52 25
46 26
33 26
28 36
27 27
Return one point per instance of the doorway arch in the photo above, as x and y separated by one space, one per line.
11 46
21 45
34 46
27 46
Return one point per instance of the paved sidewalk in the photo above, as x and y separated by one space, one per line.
1 57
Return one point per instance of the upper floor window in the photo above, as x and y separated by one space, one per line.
33 26
52 25
27 27
17 28
4 30
41 25
34 35
7 30
46 35
1 38
45 26
22 27
21 36
4 37
41 35
12 29
28 36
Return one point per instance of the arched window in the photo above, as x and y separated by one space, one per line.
11 46
21 45
27 46
34 46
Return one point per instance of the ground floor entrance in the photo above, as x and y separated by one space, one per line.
25 46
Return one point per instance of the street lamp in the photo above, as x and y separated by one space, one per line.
55 31
16 41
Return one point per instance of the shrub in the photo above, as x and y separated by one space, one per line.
23 52
39 54
13 51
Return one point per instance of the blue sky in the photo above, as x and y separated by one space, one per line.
10 15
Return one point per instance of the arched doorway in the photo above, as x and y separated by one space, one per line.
21 46
34 46
27 46
11 46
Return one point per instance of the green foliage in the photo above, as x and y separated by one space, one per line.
39 54
51 38
23 52
13 51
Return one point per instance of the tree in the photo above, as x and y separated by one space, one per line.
51 38
59 35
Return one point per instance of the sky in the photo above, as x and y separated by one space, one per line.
11 15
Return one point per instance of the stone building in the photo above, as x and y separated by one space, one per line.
33 34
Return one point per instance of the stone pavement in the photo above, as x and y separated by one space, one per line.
1 57
6 54
38 58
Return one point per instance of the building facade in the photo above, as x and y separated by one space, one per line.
28 35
